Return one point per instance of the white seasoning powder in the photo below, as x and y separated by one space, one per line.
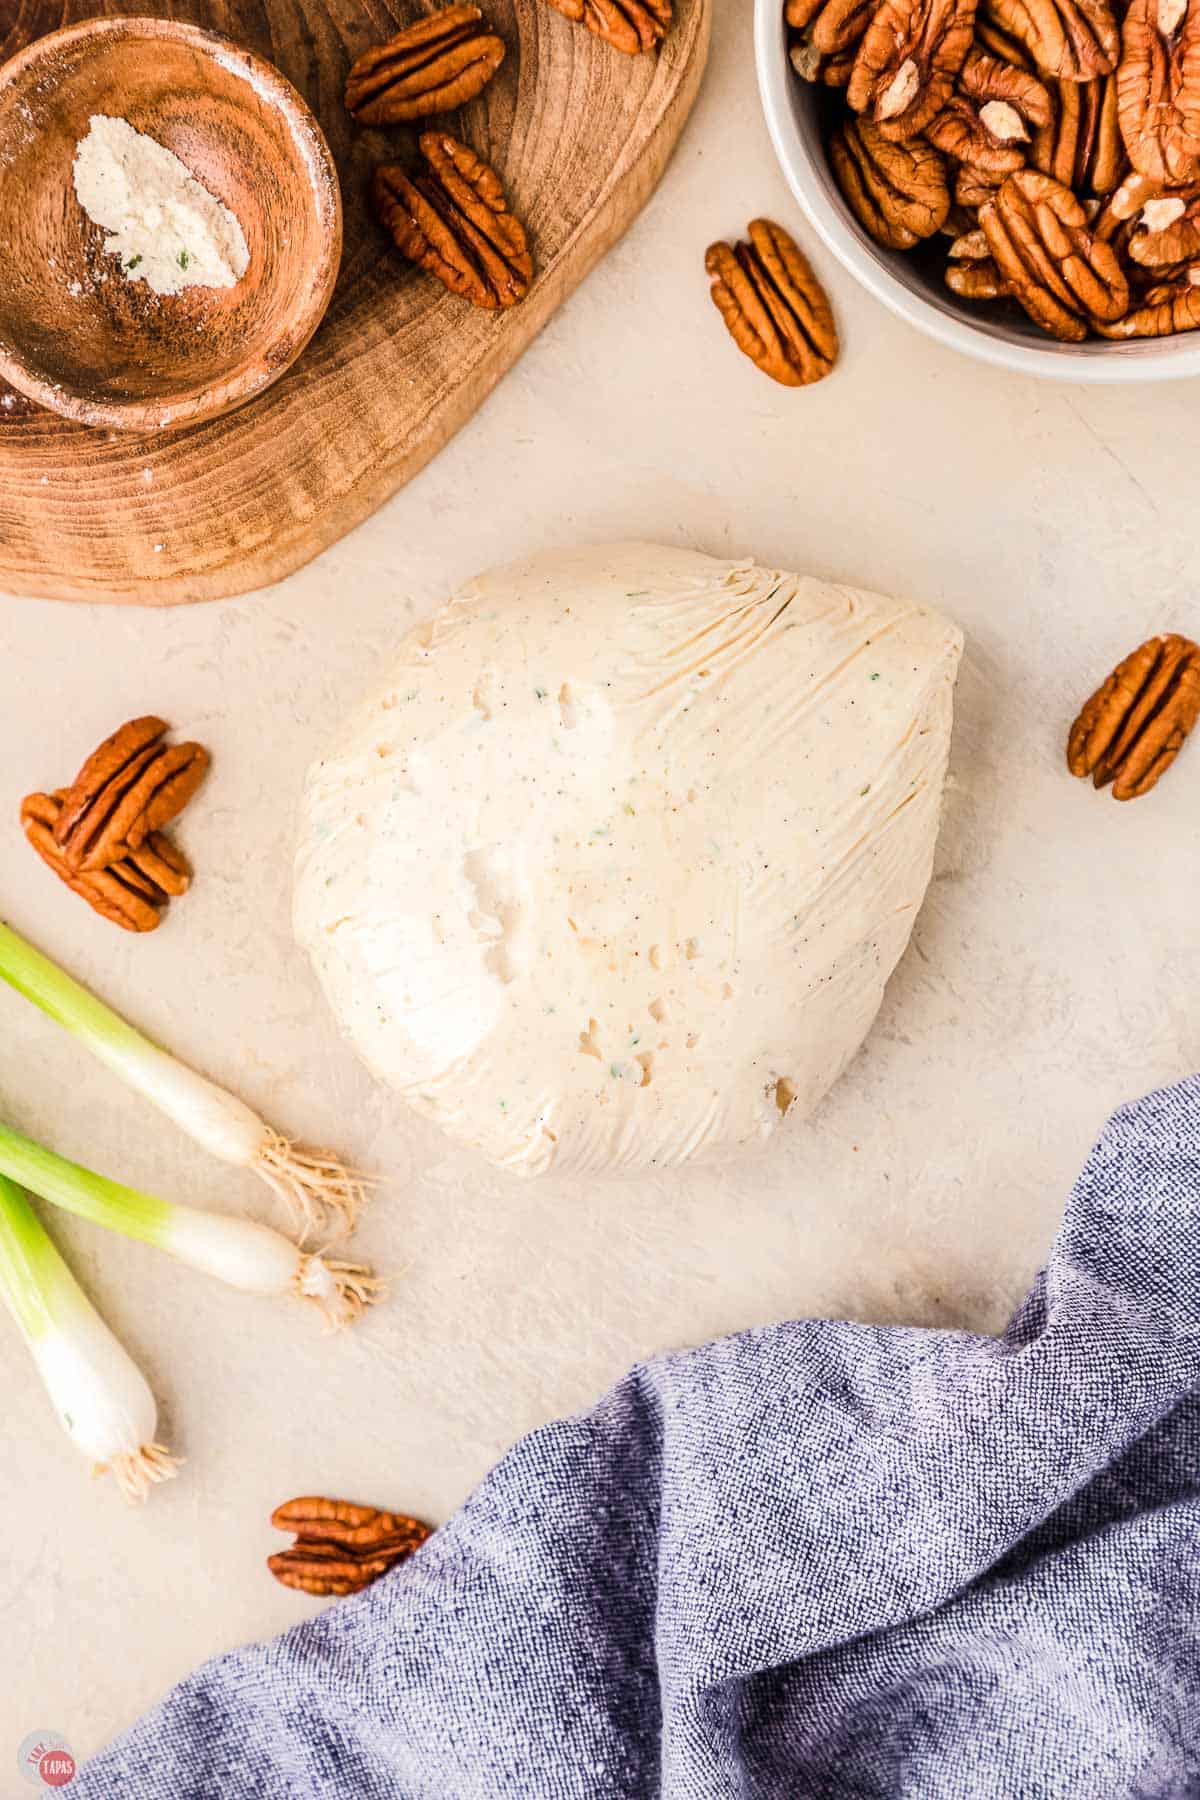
167 229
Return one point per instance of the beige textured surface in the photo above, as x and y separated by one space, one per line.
1055 969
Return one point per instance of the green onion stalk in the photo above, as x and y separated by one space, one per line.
97 1390
319 1191
239 1252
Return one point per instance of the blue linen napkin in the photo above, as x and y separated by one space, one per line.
817 1560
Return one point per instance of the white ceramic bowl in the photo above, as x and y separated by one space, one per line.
904 284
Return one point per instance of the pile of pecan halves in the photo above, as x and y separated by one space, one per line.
451 217
103 836
1055 143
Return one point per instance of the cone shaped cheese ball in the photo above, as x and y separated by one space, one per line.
613 869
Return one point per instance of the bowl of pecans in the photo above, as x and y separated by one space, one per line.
1019 179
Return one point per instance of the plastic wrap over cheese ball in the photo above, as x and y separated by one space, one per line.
613 869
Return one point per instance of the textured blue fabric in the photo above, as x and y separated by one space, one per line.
821 1559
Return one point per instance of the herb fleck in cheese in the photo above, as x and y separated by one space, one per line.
167 229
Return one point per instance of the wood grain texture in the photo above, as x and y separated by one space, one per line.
580 135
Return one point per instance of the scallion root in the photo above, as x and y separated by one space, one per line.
240 1252
339 1290
136 1475
321 1194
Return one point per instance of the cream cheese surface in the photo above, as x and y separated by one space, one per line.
614 868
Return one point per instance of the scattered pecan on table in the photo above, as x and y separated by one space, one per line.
775 309
451 217
132 785
628 25
983 98
432 66
132 892
103 836
1134 726
341 1548
453 220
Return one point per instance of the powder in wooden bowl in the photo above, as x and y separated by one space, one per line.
166 229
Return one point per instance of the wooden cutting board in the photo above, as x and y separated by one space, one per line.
580 134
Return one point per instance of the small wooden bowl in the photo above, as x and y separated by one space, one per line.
79 336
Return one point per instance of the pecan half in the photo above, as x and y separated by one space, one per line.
897 192
1166 231
162 792
988 137
973 188
133 892
1059 271
986 77
957 223
162 864
971 271
811 65
1158 87
453 220
1114 221
109 764
828 33
907 63
133 785
1132 729
1001 44
341 1548
977 281
1081 144
1164 309
628 25
774 308
1073 39
432 66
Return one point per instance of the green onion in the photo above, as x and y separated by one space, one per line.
97 1390
319 1191
240 1252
